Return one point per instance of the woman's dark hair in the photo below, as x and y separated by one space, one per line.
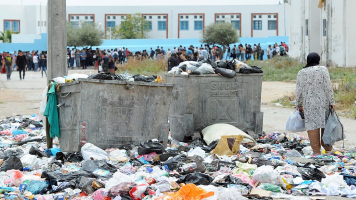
313 59
195 54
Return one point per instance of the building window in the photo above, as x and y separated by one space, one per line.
272 25
306 27
110 24
108 17
201 17
269 16
198 25
149 26
74 24
144 17
164 17
324 27
218 16
39 23
275 16
113 17
236 24
254 16
44 23
91 17
77 17
260 16
71 17
158 17
232 16
220 21
257 25
184 25
237 16
223 16
162 25
86 17
181 16
122 17
195 17
187 17
12 25
150 17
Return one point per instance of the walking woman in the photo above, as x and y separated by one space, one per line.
314 98
111 65
43 65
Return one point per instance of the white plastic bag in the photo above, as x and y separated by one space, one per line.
197 151
334 130
174 69
295 122
29 161
266 174
205 68
91 151
119 156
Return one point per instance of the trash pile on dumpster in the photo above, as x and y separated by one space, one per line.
214 166
226 68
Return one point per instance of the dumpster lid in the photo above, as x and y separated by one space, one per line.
214 75
140 83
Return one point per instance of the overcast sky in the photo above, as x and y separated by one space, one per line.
143 2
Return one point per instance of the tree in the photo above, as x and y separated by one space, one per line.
134 27
87 34
6 36
222 34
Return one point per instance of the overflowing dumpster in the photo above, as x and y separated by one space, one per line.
200 101
110 113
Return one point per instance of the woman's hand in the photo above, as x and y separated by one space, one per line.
332 107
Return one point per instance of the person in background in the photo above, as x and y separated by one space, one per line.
269 52
261 54
43 65
172 61
14 56
158 56
286 46
213 54
77 58
157 51
282 50
205 54
195 57
111 65
127 53
21 64
169 53
243 52
238 52
278 50
8 62
315 98
29 66
72 57
35 61
83 57
105 63
152 53
228 55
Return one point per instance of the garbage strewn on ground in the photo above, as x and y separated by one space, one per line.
226 68
222 166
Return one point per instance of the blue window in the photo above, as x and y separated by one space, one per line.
198 25
162 25
7 25
184 25
74 24
15 26
149 26
236 24
257 25
110 24
272 25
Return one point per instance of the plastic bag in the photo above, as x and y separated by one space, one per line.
35 151
119 156
270 187
16 152
197 151
266 174
295 122
35 187
205 69
15 177
334 130
122 189
12 163
221 64
137 191
29 161
92 165
91 151
196 178
190 191
225 72
249 70
228 145
150 146
174 70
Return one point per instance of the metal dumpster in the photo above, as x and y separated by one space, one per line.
112 113
203 100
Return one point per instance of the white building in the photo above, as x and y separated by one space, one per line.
166 21
328 30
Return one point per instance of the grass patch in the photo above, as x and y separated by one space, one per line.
145 67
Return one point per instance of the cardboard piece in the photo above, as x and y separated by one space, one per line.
260 193
228 145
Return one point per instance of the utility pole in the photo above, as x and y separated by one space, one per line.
57 39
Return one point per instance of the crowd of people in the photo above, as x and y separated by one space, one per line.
22 62
107 60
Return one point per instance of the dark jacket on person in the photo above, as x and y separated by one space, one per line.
21 61
43 62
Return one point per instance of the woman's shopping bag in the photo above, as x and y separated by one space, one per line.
295 122
334 130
